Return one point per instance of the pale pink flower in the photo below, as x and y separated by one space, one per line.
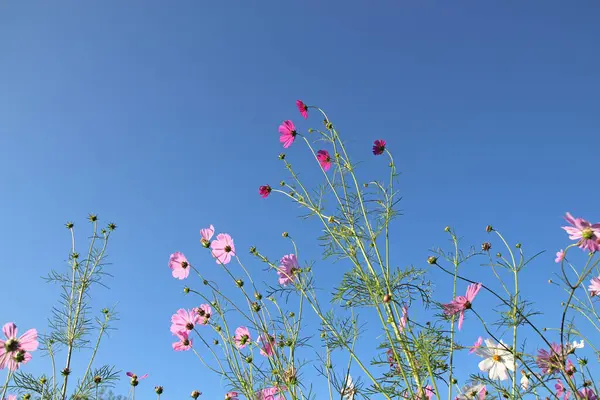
588 235
303 108
206 234
231 396
324 159
184 343
428 392
184 320
549 361
204 312
266 343
560 255
242 337
561 390
462 303
179 265
15 351
287 133
594 287
588 394
264 191
475 392
287 270
223 248
476 346
268 394
570 368
403 318
379 147
11 397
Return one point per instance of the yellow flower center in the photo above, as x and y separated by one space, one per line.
496 358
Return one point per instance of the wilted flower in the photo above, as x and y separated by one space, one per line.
349 390
404 318
264 191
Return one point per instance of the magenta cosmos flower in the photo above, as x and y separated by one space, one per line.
549 361
561 390
223 248
206 234
462 303
266 343
184 343
560 255
594 287
180 267
287 133
287 270
264 191
268 394
242 337
135 379
15 351
231 396
324 159
379 147
588 394
303 108
588 235
204 312
184 320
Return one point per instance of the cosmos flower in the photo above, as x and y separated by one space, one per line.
287 270
303 108
462 303
223 248
242 337
15 351
324 159
587 235
287 133
496 360
180 267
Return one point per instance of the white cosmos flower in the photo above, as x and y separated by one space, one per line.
571 347
349 390
475 392
524 381
496 360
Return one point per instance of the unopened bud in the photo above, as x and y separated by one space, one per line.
158 389
447 229
387 298
285 234
489 228
282 156
518 245
195 394
239 282
432 260
97 379
186 290
486 246
257 296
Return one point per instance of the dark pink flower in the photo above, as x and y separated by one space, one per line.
287 133
264 191
15 351
561 391
588 394
303 108
404 318
324 159
184 320
180 267
549 361
462 303
268 394
560 255
287 270
476 345
206 234
379 147
184 343
242 337
588 235
223 248
266 343
231 396
594 287
204 312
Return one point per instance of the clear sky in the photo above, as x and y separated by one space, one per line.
162 117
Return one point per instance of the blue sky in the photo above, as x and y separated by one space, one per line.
163 118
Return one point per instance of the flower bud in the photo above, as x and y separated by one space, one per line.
489 228
498 254
97 379
282 156
257 296
249 359
92 218
282 183
387 298
239 283
43 380
447 229
453 381
186 290
291 314
217 328
252 250
331 220
65 372
158 389
69 225
486 246
216 341
432 260
205 282
195 394
256 307
285 234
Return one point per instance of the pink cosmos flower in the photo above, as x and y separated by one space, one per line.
231 396
11 397
287 133
594 287
15 351
404 318
242 337
223 248
180 267
549 361
266 344
560 390
462 303
587 234
287 270
570 369
264 191
428 392
560 255
588 394
324 159
268 394
390 357
206 234
204 312
303 108
184 343
184 320
379 147
476 345
134 377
